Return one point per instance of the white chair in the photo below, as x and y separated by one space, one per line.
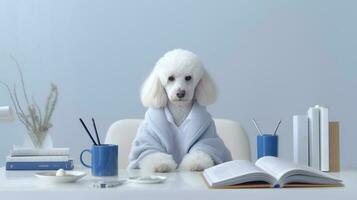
123 133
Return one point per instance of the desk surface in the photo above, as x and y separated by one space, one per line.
179 185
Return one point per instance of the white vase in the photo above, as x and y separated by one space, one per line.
46 143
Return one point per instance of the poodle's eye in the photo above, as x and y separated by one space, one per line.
187 78
171 78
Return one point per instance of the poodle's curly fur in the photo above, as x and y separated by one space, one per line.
178 62
177 80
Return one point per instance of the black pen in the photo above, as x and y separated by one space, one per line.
96 132
85 127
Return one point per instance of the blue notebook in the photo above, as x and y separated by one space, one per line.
67 165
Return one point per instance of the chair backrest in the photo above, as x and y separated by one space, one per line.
233 135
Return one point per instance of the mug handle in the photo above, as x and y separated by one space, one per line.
81 158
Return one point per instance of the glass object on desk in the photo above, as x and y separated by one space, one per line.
32 143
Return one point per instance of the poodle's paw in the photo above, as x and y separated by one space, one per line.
196 161
158 162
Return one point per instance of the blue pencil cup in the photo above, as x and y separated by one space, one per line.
267 145
104 161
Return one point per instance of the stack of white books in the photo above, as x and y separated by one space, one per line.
311 138
38 159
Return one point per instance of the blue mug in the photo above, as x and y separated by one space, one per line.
267 145
104 161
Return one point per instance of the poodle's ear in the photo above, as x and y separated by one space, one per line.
153 93
206 91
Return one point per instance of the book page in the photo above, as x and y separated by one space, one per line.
274 166
235 172
282 170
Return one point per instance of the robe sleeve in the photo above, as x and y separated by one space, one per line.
145 142
213 145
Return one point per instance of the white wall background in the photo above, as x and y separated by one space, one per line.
270 59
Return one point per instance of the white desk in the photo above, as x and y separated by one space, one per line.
179 185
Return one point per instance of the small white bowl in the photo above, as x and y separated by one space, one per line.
70 177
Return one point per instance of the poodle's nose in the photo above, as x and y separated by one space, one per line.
180 94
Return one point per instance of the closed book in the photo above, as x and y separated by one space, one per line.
301 139
20 151
37 158
324 139
334 139
68 165
314 137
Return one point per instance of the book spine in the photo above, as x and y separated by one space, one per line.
324 139
314 137
334 138
37 158
40 152
301 139
39 165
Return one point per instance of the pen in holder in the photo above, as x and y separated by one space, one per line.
104 157
267 144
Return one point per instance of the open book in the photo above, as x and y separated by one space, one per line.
267 172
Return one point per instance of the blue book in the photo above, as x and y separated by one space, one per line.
66 165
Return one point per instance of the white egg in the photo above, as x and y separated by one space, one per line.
60 172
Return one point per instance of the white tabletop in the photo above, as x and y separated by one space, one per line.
179 185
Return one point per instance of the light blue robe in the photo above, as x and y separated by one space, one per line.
158 133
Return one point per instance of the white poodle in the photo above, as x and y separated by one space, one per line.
177 128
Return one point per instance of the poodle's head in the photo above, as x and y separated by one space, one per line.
179 77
